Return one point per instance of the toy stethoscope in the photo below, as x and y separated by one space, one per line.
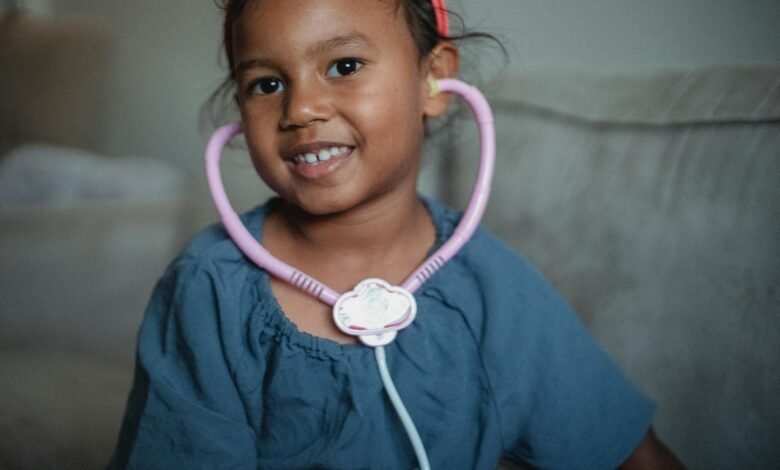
374 311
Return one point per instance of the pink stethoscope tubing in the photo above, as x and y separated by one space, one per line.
468 223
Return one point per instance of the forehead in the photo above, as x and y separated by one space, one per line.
292 25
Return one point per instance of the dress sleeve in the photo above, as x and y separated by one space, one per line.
184 410
560 401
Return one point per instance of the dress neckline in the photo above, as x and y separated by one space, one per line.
254 221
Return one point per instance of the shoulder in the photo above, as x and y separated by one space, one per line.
209 273
501 297
211 255
213 244
484 251
501 294
489 255
206 297
500 269
489 269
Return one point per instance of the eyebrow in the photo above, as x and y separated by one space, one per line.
354 39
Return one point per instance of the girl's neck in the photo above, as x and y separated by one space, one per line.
386 238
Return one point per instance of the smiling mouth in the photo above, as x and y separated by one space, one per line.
321 155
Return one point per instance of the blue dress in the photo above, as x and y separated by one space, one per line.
494 364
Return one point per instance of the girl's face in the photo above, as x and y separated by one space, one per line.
332 97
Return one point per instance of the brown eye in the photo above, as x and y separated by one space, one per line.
266 86
344 67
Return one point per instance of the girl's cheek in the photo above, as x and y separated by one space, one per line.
249 107
366 104
258 119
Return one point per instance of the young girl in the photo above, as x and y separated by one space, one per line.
237 369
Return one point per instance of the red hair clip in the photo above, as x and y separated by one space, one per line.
442 24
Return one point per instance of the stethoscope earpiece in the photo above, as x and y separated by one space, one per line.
433 87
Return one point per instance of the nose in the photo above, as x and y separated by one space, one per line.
305 103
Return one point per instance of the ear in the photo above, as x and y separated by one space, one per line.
442 62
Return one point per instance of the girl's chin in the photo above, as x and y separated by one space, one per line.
323 203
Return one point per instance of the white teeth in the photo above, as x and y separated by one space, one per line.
322 155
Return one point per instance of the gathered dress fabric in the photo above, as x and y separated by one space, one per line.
495 364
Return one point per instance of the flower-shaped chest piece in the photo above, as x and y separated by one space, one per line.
374 310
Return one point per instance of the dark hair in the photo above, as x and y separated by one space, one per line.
419 15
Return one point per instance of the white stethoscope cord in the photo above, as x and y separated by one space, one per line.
398 404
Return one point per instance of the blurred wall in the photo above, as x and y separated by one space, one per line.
167 55
631 34
165 67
